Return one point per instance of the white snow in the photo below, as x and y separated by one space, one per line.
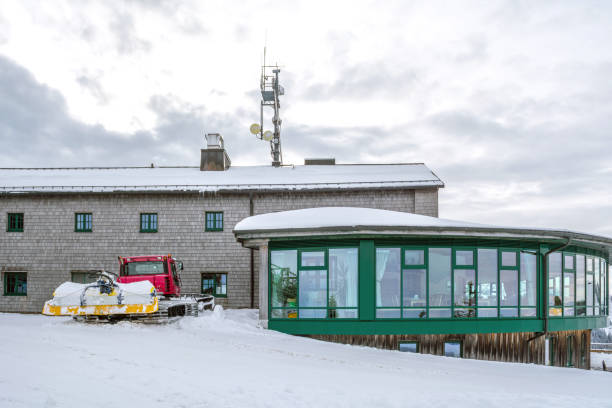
598 358
355 218
235 178
69 294
222 359
323 217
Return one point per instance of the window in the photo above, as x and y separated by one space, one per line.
569 285
596 286
453 349
214 284
388 282
83 222
401 283
528 284
144 268
214 221
15 222
509 284
439 282
464 284
148 222
409 346
314 284
555 296
15 284
83 276
487 282
580 286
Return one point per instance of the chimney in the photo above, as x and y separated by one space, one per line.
214 157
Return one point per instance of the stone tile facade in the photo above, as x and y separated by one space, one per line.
49 249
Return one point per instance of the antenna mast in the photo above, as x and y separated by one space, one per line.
270 92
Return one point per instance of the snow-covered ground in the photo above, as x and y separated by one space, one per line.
223 359
598 358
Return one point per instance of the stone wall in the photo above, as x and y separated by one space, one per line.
49 249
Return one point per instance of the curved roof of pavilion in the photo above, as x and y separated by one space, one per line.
350 220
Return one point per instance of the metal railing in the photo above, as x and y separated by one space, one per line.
605 347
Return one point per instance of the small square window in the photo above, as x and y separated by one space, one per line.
15 284
414 257
409 346
15 222
464 258
148 222
214 284
508 258
569 262
313 258
83 222
453 349
214 221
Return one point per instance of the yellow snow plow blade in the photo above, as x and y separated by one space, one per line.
104 297
100 310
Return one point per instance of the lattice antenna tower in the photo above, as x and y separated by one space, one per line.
271 90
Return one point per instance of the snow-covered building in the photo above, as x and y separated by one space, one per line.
62 223
419 283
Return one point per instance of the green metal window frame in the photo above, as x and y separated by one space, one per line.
14 222
213 221
148 222
83 222
416 343
473 266
565 269
217 281
454 267
20 281
404 266
367 323
590 310
329 310
515 268
603 276
584 273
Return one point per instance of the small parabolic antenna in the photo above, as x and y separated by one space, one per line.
255 128
267 135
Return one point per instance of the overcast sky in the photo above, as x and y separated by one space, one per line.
508 102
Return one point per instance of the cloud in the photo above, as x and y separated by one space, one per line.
508 102
36 129
126 39
93 86
364 80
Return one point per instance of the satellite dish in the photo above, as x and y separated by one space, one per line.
267 136
255 128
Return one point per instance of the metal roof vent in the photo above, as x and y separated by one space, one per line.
214 140
320 162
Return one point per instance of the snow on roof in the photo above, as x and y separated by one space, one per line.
327 217
235 178
350 219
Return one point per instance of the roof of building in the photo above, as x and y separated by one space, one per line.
350 220
238 178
